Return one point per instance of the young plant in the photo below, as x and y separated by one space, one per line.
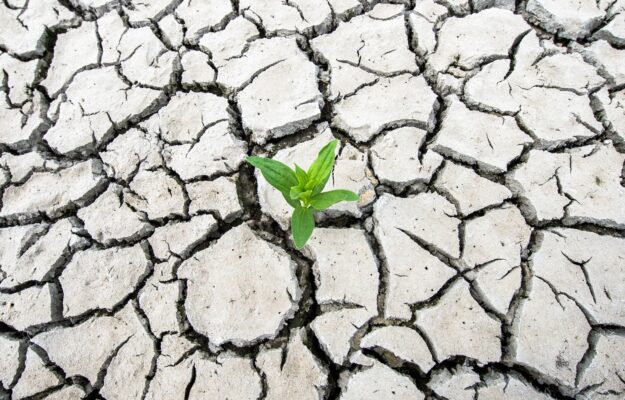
303 190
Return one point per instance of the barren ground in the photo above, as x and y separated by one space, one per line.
141 258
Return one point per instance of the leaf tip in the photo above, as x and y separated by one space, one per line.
352 196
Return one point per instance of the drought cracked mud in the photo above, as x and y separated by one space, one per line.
141 258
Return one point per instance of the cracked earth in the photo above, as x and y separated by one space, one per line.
141 258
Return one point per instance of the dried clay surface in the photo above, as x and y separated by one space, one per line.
141 257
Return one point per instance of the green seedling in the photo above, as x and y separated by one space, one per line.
303 190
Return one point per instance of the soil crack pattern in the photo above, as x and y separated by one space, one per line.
141 257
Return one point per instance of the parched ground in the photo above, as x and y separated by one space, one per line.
141 258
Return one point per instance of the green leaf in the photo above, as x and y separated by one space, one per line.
321 168
311 184
292 203
320 186
296 193
302 176
324 200
276 173
302 225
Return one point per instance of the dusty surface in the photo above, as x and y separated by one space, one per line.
141 258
